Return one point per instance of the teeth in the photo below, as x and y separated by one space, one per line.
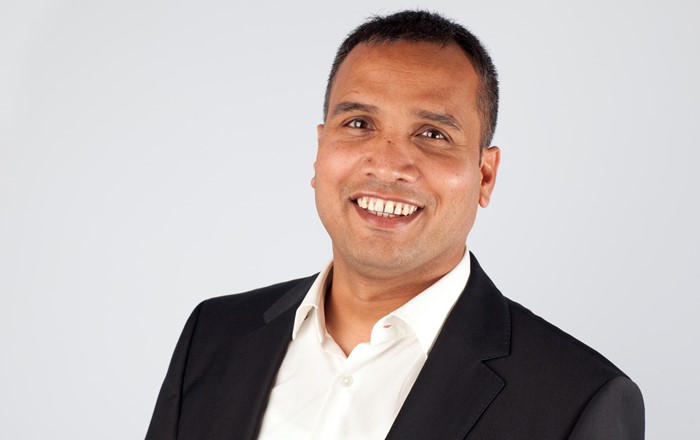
379 205
385 208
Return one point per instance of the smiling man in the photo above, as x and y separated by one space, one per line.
403 336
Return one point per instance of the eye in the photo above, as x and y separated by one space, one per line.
357 123
433 134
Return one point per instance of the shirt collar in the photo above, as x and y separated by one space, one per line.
425 313
312 305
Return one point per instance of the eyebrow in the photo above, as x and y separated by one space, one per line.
443 118
349 106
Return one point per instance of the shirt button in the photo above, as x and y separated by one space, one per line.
346 380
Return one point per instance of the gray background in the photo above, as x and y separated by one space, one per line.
154 154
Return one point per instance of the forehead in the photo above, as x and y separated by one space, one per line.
420 70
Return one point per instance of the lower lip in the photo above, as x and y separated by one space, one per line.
386 222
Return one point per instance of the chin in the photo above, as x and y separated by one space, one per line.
389 265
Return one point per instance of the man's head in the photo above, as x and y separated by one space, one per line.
401 169
423 26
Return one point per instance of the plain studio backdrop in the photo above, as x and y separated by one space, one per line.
155 153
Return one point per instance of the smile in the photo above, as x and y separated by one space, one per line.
385 208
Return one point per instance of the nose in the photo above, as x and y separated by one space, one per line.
389 159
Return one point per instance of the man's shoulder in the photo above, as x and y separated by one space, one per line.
557 380
262 296
254 303
216 324
539 344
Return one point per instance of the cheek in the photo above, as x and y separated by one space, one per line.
331 175
326 171
334 164
324 164
458 198
458 184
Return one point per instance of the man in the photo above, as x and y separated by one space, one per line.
403 336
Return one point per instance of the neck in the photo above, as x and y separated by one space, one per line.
355 302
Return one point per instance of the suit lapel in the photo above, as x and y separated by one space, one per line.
455 387
252 368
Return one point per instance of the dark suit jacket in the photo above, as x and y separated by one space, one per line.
496 372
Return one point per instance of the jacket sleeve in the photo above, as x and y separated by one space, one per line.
166 416
615 412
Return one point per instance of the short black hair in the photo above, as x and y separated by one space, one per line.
423 26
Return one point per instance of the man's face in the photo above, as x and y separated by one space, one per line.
398 171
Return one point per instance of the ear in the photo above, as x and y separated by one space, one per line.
319 133
490 159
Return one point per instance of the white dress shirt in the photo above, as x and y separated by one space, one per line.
320 394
